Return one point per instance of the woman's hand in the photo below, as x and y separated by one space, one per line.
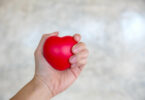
48 82
57 81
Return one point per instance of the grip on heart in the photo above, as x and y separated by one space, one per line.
58 50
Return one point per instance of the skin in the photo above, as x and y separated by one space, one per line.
48 82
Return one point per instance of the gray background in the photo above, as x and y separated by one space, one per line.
114 31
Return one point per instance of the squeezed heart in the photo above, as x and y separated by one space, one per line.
58 50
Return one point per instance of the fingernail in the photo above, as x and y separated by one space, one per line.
73 59
75 50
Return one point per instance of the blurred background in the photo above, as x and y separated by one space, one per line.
114 31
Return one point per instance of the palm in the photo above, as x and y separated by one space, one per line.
61 79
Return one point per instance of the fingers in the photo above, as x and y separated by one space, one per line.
79 59
78 47
42 41
77 37
80 56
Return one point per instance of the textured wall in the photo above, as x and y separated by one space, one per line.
114 31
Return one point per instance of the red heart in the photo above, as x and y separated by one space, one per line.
58 50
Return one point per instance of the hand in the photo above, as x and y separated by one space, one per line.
57 81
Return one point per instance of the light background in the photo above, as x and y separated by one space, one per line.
114 31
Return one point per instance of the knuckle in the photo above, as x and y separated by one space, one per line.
87 52
87 55
82 62
82 44
83 52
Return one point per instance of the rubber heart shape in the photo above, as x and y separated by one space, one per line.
58 50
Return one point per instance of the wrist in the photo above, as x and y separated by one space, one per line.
34 90
40 86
